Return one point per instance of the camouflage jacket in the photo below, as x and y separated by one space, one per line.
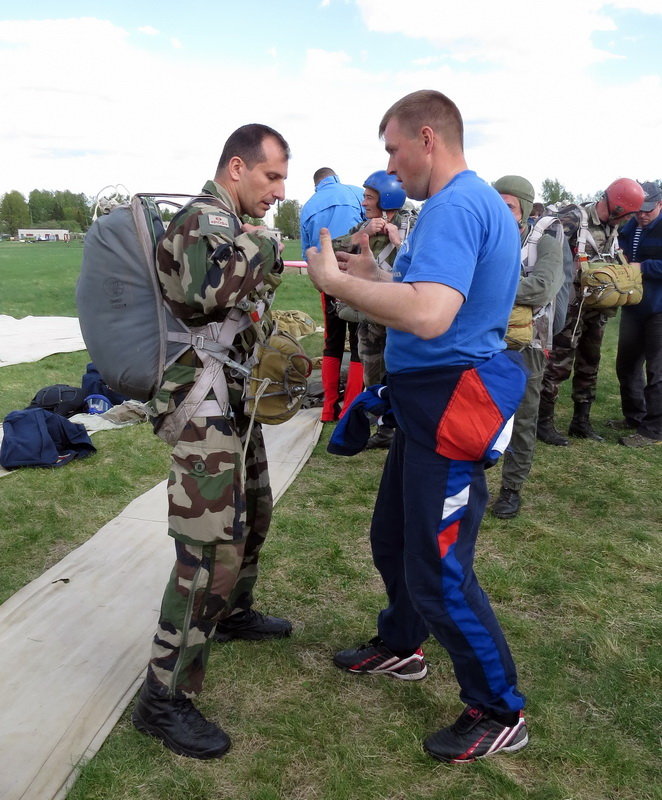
207 265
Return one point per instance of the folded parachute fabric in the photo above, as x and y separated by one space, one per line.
352 432
35 437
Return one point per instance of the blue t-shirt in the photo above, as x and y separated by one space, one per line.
465 238
336 206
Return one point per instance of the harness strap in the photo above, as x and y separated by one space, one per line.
585 237
403 230
212 344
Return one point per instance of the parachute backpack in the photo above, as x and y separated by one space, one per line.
129 330
123 319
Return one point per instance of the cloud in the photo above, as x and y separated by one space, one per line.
88 104
148 30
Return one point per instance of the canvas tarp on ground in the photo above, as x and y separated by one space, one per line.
33 338
75 641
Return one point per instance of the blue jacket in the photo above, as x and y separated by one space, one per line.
336 206
649 255
35 437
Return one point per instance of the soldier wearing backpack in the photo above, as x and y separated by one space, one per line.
540 280
592 231
212 267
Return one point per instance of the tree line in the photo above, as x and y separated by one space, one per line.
64 209
44 209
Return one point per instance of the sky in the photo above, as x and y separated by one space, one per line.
144 93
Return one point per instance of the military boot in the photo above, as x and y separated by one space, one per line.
177 723
546 431
507 504
580 426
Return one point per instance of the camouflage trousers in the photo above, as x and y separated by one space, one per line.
576 347
518 458
372 341
219 523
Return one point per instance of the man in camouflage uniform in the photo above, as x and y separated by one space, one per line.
578 344
540 280
387 224
214 269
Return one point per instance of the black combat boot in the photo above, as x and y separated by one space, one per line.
507 504
253 626
382 438
177 723
546 431
580 427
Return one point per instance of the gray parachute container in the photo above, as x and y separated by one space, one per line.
123 317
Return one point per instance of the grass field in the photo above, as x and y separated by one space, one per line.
574 580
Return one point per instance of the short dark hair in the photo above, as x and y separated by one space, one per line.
321 173
246 142
427 107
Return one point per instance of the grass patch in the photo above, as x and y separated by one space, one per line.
574 579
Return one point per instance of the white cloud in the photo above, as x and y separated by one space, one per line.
148 30
155 121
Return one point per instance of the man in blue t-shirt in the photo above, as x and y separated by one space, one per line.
453 389
337 207
334 205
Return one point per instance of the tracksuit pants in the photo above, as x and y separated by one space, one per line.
428 511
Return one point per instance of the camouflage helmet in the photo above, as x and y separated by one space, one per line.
518 187
391 194
623 196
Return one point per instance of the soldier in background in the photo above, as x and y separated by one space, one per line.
388 225
337 207
576 348
541 279
209 265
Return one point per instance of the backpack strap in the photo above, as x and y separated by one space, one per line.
530 246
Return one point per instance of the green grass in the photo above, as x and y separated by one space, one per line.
574 580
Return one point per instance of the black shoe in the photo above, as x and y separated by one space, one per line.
507 504
382 438
179 725
476 735
375 658
548 434
253 626
582 429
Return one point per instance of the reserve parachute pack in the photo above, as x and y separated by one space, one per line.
524 320
133 336
608 284
607 280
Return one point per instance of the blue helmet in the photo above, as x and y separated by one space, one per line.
391 194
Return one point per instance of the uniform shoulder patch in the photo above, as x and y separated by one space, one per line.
216 222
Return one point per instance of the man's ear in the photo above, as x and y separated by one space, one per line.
235 167
427 135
